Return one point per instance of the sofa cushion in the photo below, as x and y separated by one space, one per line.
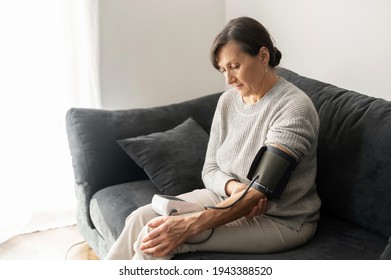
173 159
111 206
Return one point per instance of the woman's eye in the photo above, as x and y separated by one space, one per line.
231 67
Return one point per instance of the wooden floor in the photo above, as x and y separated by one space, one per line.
57 244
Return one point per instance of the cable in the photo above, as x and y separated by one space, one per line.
78 243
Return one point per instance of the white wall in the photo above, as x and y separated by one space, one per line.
343 42
156 52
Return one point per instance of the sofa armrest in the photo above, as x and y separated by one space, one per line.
97 159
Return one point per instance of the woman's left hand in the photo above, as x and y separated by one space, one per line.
168 232
259 209
234 187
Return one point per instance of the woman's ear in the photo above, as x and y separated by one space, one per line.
264 55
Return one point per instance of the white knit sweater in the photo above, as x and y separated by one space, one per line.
285 116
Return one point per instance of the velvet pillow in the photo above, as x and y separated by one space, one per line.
173 159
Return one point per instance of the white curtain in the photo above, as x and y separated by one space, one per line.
49 62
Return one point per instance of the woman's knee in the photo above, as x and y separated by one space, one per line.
143 215
308 230
295 238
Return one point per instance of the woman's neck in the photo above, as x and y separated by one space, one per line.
268 82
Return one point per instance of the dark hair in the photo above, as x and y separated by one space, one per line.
250 35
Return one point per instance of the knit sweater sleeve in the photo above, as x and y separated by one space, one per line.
213 177
295 127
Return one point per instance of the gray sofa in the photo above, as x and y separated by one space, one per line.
113 178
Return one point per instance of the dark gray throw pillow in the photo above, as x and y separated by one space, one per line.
173 159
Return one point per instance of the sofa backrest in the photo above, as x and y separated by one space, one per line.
354 153
98 161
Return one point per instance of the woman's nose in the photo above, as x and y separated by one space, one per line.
230 77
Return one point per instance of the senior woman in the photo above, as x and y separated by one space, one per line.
261 110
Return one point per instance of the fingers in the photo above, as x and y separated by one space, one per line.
153 244
159 251
258 210
154 248
155 222
159 245
262 206
153 234
252 213
150 241
166 235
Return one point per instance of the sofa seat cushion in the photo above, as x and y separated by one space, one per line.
111 206
335 239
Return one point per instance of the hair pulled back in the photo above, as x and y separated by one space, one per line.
250 35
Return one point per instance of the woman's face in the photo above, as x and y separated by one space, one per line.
244 72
